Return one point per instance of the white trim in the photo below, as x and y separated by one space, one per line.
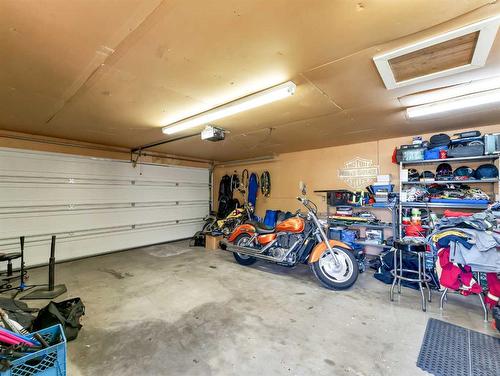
487 32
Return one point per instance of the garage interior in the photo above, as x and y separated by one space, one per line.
249 187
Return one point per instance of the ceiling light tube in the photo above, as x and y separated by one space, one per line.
460 103
239 105
449 92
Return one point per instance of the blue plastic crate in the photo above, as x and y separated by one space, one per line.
388 187
46 362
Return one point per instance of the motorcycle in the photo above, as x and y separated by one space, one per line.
293 241
228 224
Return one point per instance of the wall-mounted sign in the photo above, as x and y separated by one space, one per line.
358 172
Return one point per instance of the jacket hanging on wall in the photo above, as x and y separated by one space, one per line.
235 182
244 180
225 188
225 199
253 188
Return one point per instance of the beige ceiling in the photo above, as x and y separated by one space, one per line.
114 71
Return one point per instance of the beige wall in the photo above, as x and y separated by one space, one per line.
318 168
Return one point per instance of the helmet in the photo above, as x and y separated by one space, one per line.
486 171
444 172
463 173
413 175
426 175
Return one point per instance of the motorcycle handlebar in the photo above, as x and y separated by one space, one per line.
303 200
307 203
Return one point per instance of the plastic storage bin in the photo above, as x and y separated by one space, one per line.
46 362
349 236
339 197
408 154
386 187
434 153
335 233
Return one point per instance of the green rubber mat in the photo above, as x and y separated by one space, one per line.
451 350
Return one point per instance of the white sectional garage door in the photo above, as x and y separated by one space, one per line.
95 205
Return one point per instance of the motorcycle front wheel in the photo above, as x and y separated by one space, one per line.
336 276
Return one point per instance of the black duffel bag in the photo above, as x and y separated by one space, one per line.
469 150
67 313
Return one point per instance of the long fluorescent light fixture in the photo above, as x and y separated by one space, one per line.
239 105
454 104
449 92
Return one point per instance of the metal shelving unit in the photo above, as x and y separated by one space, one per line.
443 182
442 205
340 223
479 158
392 208
450 205
384 246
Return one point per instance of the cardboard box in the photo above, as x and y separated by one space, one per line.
212 242
384 178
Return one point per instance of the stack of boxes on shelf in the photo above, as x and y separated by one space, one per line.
382 187
344 211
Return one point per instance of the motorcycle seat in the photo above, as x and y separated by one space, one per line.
261 228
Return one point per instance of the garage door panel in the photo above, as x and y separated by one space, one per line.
22 194
70 246
94 205
49 222
49 165
186 174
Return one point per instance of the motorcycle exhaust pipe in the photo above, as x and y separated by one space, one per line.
226 246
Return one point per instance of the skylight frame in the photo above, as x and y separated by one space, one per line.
487 33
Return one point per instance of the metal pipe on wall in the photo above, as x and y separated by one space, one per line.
271 158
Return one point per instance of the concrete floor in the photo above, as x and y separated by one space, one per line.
172 310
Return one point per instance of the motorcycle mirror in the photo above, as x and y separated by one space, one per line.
302 187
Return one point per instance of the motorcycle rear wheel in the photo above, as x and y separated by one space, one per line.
336 277
242 241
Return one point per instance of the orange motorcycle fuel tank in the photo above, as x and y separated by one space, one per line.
294 224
